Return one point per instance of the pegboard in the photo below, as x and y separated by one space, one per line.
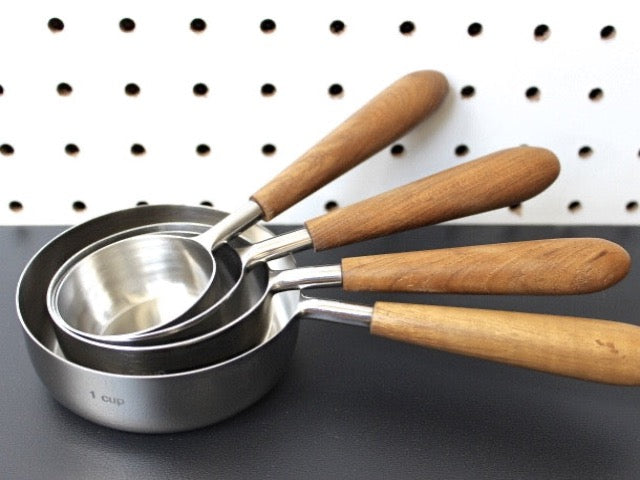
105 105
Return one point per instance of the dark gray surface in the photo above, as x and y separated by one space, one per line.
353 406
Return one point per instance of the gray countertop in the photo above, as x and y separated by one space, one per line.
353 406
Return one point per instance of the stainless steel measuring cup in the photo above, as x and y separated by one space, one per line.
146 281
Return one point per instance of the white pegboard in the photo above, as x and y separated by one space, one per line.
40 182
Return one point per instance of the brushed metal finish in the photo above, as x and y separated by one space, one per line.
154 403
234 261
136 284
171 356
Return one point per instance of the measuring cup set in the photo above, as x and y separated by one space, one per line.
186 315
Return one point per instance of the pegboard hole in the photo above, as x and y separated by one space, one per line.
596 94
206 203
268 89
337 27
200 89
407 27
137 149
6 149
541 32
64 89
461 150
198 25
575 206
15 206
268 149
55 25
533 94
267 25
397 150
127 25
632 206
585 152
1 89
336 90
330 205
79 206
203 149
132 89
474 29
467 91
608 32
71 149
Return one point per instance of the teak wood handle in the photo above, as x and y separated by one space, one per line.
385 118
540 267
496 180
587 349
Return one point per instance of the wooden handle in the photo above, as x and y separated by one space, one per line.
588 349
384 119
497 180
540 267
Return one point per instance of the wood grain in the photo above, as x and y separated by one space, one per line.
587 349
496 180
385 118
540 267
